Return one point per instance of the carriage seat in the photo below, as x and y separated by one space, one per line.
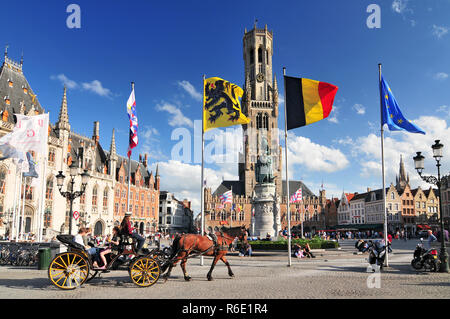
68 241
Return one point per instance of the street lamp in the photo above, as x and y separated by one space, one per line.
71 195
419 165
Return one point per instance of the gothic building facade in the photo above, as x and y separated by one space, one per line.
103 203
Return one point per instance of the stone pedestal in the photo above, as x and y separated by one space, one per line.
264 205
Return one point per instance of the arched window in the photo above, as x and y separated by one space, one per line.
105 198
213 215
233 215
48 217
252 56
266 121
241 216
94 196
260 55
259 121
223 215
49 189
2 181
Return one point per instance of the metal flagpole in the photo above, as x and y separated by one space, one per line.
17 232
287 177
129 168
22 222
231 208
14 224
202 195
382 169
43 191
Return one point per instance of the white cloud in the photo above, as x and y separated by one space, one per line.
399 6
96 87
184 180
445 109
190 89
149 143
440 76
70 84
440 31
177 118
314 157
333 117
405 144
360 109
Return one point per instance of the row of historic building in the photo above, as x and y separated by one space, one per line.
407 208
103 204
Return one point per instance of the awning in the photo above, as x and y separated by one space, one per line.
423 226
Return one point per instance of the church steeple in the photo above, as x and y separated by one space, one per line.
63 119
112 148
402 178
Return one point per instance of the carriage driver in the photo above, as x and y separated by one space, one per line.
127 229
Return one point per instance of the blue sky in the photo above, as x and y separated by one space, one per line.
165 48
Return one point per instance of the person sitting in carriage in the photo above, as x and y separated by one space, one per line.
92 251
113 242
128 230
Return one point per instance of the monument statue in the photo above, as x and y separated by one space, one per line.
263 167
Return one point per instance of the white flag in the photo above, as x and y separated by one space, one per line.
29 134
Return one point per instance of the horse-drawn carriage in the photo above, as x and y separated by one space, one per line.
71 269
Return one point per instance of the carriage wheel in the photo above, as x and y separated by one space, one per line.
68 270
145 271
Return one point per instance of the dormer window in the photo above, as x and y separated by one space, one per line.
25 89
7 100
10 83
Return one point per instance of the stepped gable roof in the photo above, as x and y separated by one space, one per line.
134 167
19 94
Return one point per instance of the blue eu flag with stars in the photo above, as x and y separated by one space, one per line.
392 116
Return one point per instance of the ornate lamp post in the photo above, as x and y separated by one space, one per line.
70 194
419 165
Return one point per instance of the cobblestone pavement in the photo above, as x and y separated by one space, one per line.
333 274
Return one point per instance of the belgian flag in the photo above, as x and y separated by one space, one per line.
307 101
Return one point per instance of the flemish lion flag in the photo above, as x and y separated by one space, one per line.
307 101
221 105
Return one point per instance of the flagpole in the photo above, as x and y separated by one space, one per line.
22 222
41 213
382 168
231 210
202 195
287 177
19 204
14 224
129 168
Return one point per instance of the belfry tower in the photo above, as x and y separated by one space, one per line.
260 104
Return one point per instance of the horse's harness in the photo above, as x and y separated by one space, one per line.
216 246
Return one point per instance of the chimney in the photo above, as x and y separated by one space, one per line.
96 135
368 189
145 160
140 158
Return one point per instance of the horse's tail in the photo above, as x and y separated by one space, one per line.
175 246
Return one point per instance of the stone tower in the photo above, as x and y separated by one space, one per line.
260 104
402 179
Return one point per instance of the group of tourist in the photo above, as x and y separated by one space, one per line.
302 252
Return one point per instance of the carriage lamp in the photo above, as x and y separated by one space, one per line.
71 195
419 165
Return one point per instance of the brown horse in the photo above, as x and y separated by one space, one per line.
191 245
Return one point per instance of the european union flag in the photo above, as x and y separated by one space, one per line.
392 116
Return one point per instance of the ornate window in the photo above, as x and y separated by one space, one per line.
233 215
105 198
213 215
2 181
51 156
260 55
83 199
116 208
94 196
223 215
49 189
241 216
